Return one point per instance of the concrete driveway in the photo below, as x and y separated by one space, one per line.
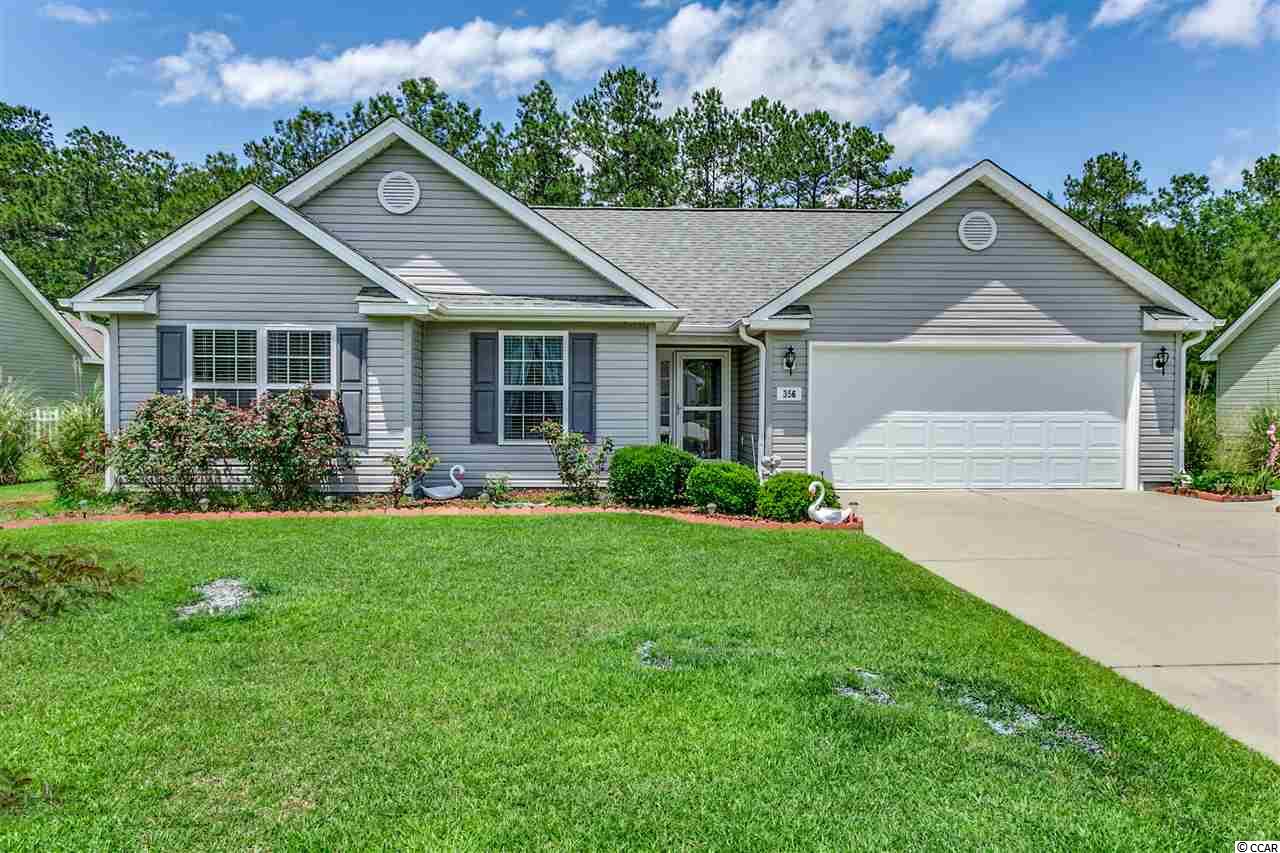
1179 595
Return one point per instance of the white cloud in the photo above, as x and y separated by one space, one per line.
929 180
1229 22
1225 172
480 53
940 132
975 29
193 73
808 53
1113 12
72 14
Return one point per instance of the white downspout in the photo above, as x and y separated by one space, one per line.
761 451
1187 343
108 387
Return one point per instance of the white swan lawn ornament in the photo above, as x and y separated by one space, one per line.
826 515
447 493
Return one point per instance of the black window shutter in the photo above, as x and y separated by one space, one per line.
171 360
353 349
582 385
484 388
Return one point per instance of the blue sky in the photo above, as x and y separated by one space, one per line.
1183 85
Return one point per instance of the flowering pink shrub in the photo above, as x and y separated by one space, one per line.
174 449
1273 455
289 442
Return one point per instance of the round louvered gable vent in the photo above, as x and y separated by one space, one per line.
977 231
398 192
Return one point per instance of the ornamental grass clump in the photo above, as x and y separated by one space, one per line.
17 437
75 452
290 442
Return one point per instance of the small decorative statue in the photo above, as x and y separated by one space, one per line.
826 515
770 465
444 493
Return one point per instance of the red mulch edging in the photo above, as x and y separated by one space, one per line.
1213 496
854 524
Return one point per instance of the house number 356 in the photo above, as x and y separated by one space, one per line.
789 393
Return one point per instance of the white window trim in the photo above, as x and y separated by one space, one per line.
262 386
563 387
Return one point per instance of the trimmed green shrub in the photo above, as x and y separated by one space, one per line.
731 487
17 437
785 497
1201 432
650 475
1229 483
75 453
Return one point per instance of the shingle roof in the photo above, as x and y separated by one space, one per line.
719 264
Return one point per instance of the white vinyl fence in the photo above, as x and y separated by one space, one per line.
44 420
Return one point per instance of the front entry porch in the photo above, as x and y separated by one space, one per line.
707 401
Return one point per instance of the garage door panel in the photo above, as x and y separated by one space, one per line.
1066 435
965 419
1026 435
990 434
950 471
910 471
949 434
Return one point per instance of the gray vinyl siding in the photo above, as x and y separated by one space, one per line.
455 240
34 353
1249 372
746 370
262 271
623 363
924 286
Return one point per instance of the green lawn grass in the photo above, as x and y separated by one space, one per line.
31 491
474 683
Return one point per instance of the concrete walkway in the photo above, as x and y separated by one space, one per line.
1180 595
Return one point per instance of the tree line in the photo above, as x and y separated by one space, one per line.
71 211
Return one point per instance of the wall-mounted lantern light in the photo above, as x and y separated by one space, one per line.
1161 360
789 360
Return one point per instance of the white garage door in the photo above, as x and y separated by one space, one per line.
964 418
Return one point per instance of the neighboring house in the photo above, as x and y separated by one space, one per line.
49 353
1248 357
982 338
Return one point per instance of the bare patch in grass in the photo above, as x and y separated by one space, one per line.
865 686
225 595
650 657
1008 718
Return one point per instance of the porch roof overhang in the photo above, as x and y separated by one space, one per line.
480 307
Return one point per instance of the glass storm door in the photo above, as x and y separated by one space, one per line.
702 426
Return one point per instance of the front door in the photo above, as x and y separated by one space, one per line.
702 410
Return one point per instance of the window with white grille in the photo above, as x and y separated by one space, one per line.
533 377
299 358
238 365
224 364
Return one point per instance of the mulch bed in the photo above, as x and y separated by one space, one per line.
854 524
1214 496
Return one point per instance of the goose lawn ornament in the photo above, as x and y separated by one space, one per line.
826 515
446 493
